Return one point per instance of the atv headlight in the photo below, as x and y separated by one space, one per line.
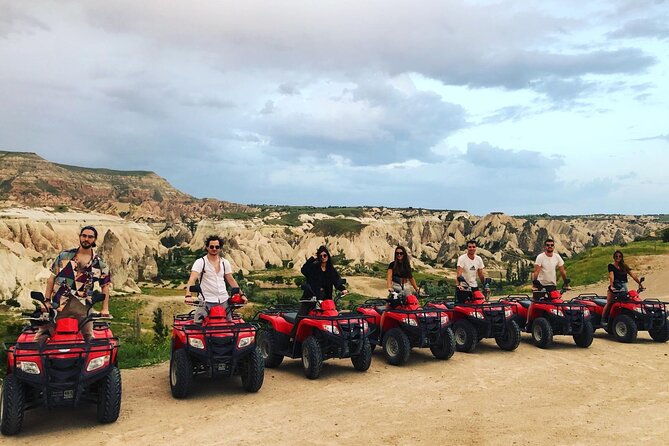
639 309
243 342
331 328
478 315
365 326
508 312
557 312
444 319
96 363
586 313
195 342
412 322
28 367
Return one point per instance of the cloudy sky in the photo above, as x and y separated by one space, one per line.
515 106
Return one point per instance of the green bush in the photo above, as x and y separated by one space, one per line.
337 226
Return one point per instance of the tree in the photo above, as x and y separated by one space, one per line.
159 327
665 235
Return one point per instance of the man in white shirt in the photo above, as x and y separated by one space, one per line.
213 271
544 268
470 266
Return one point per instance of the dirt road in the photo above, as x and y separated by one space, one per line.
610 393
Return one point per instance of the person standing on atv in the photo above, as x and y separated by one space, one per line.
74 272
544 275
321 276
469 266
618 271
399 272
213 271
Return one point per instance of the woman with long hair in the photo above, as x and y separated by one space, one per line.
321 276
399 272
618 271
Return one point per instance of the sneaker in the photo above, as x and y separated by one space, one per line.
604 322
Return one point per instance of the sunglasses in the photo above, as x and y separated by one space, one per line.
214 246
399 254
86 236
324 256
617 256
549 245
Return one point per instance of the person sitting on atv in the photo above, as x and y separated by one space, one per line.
75 272
544 269
321 276
399 272
618 271
213 271
469 266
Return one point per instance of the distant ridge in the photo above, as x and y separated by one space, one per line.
30 180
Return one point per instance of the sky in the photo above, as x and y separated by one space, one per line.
523 107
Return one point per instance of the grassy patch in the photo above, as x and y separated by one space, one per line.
142 352
338 226
161 292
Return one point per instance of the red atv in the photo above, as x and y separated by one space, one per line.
475 318
321 334
629 314
222 345
400 324
64 371
547 315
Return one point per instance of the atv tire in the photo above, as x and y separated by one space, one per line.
585 337
12 406
542 332
312 357
109 396
510 339
253 371
446 346
181 373
660 334
624 329
466 336
362 361
267 346
396 346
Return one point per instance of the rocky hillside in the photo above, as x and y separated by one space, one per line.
26 179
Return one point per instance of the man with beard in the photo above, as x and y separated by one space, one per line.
74 273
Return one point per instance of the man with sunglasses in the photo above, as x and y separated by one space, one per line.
544 268
213 271
470 266
75 272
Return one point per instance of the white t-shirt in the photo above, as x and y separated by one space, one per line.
470 268
548 264
211 282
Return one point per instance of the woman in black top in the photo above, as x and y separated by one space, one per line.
399 271
618 271
322 276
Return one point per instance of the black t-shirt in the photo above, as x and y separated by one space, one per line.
619 275
404 275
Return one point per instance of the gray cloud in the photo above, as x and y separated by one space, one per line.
656 27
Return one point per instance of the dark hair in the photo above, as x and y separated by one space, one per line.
402 267
323 249
623 265
472 242
90 228
211 238
549 240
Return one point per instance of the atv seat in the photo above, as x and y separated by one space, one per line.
290 317
525 303
600 302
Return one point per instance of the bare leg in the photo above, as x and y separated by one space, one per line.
607 307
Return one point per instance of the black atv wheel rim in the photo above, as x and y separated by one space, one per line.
621 329
460 336
537 332
393 347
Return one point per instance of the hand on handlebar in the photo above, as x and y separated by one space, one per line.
189 300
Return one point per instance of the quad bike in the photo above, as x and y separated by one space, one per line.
223 344
321 334
629 314
399 324
546 315
475 318
66 370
